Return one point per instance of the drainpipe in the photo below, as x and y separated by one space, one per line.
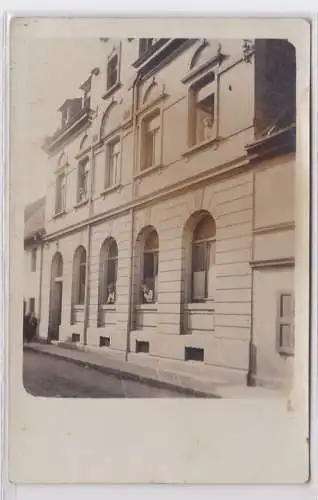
89 250
40 290
132 218
252 368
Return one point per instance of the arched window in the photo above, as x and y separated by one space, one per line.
57 266
79 276
149 288
108 272
203 259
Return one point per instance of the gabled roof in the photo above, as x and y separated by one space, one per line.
34 218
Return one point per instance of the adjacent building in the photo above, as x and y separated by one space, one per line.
34 223
170 208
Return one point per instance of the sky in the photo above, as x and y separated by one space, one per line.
56 69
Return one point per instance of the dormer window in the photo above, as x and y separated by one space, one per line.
112 71
87 101
65 116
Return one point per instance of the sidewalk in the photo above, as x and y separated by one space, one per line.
164 376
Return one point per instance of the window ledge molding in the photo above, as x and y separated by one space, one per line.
200 306
213 141
259 264
111 189
107 307
149 170
283 226
81 203
56 215
111 90
147 307
78 307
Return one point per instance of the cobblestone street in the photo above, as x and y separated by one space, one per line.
51 377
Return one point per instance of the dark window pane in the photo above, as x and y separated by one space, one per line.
199 257
149 266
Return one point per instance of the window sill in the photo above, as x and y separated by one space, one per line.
111 189
56 215
107 307
81 203
200 306
148 170
201 146
78 307
111 90
147 307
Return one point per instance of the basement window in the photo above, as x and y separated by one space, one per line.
193 354
142 346
104 341
76 337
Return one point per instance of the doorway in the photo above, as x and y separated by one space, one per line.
55 311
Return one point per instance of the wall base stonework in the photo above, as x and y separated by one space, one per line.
117 337
66 332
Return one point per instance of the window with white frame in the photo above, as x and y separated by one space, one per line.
79 276
112 71
202 112
108 272
285 324
82 186
151 141
112 163
149 287
203 260
33 259
60 193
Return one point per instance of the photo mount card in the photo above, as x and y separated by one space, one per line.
159 217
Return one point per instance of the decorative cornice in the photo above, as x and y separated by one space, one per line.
232 168
283 226
161 55
150 52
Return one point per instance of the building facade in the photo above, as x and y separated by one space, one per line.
170 208
34 219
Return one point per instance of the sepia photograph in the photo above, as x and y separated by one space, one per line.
160 248
159 267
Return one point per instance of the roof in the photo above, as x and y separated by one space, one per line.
34 218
